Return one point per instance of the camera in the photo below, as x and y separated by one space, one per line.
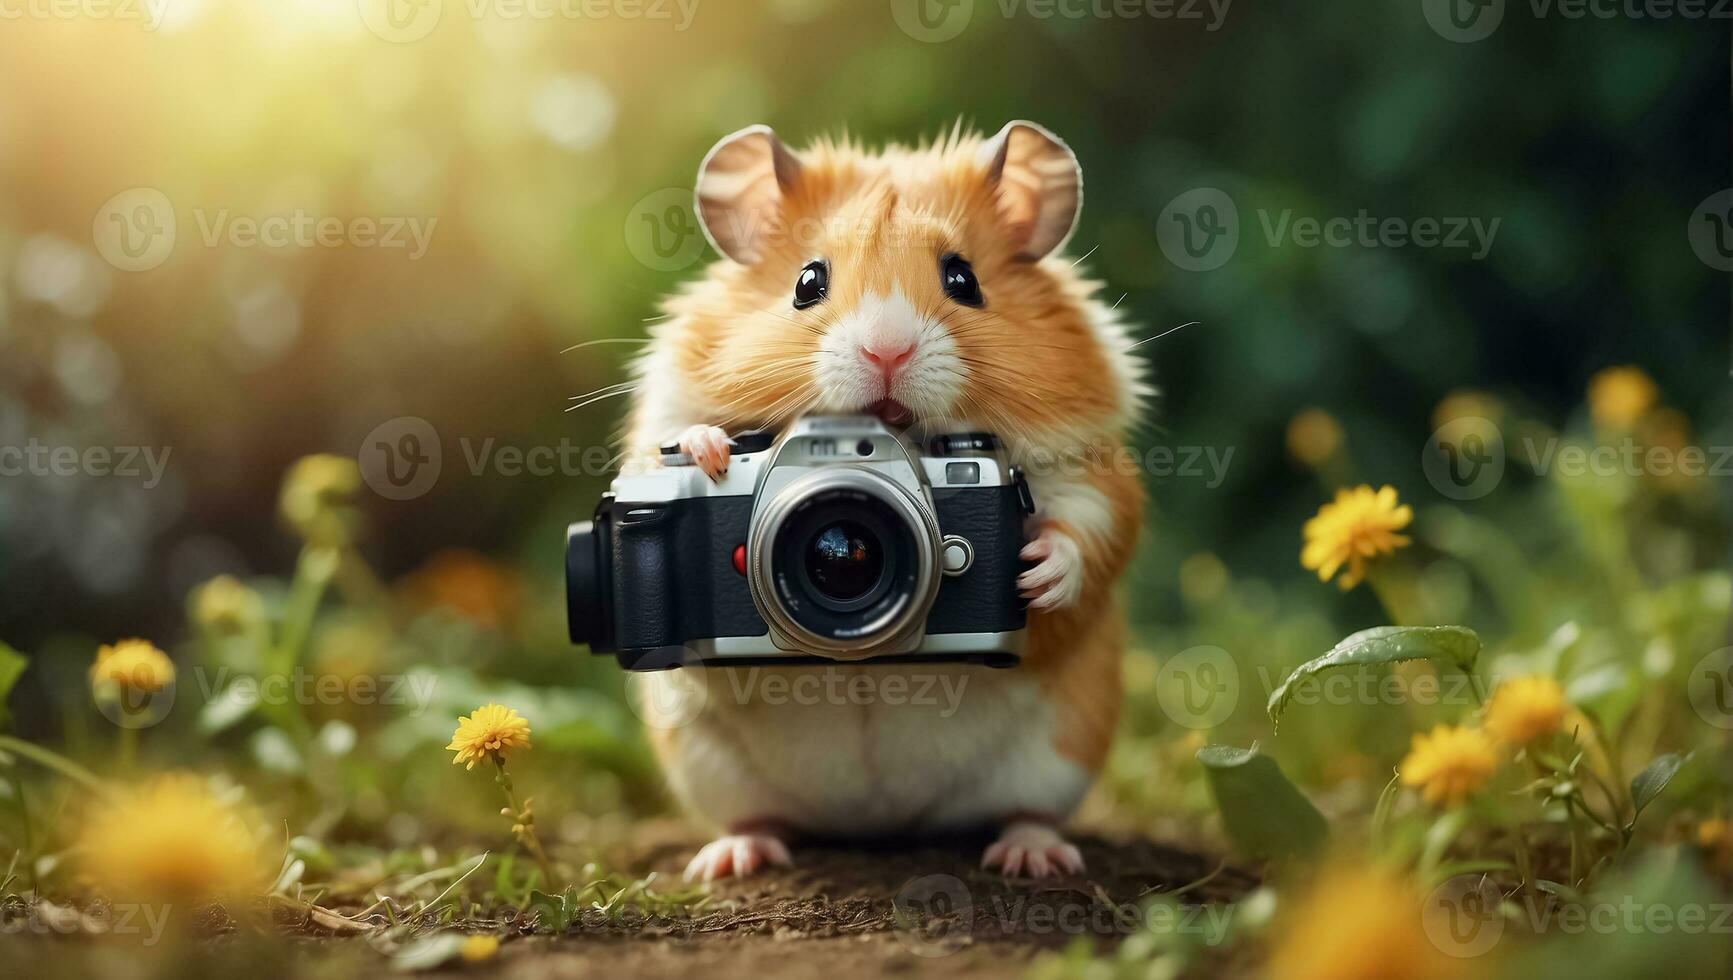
838 540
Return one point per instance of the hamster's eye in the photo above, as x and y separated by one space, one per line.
812 285
959 281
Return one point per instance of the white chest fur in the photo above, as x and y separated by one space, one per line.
847 750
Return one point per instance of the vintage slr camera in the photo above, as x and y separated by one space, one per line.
840 540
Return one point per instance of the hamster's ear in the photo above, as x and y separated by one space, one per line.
741 185
1039 183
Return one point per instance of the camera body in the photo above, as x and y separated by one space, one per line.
839 540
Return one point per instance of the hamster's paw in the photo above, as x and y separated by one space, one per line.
709 447
1034 848
738 855
1057 580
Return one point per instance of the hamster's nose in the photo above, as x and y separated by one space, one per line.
889 357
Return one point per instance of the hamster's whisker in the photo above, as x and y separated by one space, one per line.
1163 334
606 340
612 387
599 398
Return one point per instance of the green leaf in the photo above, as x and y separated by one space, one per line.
554 913
1264 814
1649 783
1563 891
12 664
1457 646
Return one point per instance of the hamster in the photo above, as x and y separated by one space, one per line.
922 285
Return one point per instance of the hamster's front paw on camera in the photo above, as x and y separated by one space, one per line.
709 448
1056 581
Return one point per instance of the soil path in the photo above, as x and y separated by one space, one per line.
847 912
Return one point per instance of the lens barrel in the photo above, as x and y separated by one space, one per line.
843 562
589 592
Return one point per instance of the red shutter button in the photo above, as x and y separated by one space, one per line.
740 558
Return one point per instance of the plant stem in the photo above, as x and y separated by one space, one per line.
523 822
127 747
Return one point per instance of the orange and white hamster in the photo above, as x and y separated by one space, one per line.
920 285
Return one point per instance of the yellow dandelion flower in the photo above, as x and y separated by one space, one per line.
133 665
317 498
475 949
1314 436
1620 396
173 840
1388 940
493 731
1526 708
1449 763
225 605
1360 523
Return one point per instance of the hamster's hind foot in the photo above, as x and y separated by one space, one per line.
1035 849
738 855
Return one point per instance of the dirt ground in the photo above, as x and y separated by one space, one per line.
841 912
848 911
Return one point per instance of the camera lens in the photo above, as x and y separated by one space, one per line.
845 561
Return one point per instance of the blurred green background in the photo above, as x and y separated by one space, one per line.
531 146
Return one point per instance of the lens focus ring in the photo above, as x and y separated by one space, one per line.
843 561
